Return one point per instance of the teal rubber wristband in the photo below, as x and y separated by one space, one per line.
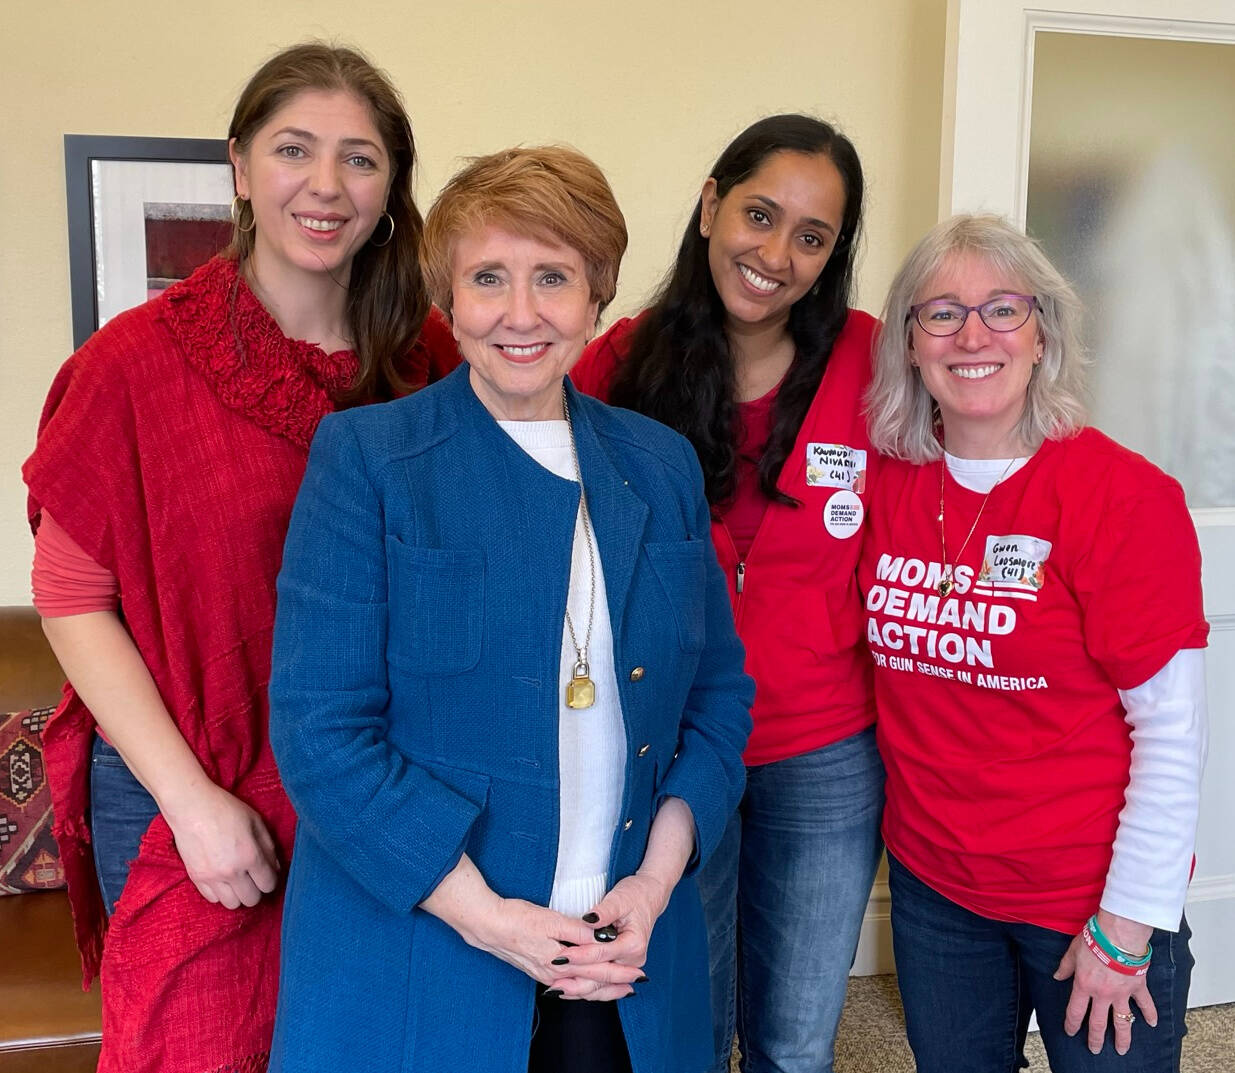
1114 952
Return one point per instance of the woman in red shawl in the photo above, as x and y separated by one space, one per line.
169 453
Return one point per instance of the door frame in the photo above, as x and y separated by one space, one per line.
988 76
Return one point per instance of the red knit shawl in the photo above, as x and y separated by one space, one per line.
171 448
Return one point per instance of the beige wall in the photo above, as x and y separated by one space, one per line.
652 89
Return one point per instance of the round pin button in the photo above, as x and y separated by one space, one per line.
842 514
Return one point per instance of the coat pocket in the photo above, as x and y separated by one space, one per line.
436 613
679 566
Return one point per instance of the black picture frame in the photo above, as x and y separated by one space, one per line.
82 152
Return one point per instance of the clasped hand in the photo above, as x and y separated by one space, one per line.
563 952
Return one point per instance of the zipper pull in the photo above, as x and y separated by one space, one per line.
741 575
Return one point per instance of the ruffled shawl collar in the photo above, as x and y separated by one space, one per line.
285 386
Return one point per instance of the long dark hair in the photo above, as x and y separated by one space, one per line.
680 367
387 301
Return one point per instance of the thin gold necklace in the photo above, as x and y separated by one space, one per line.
581 690
946 580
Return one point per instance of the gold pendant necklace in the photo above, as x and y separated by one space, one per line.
581 690
948 573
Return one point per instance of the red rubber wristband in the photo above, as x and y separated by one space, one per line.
1107 960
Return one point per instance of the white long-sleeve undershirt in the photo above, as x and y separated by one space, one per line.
1151 863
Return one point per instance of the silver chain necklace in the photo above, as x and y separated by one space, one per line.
947 579
581 690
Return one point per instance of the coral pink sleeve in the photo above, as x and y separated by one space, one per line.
64 579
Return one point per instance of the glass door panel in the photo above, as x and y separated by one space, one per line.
1131 189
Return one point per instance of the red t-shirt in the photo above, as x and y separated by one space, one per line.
999 717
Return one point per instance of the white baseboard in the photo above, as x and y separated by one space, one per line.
874 956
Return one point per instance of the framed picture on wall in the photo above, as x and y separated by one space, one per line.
143 213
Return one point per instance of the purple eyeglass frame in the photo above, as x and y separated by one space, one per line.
1032 299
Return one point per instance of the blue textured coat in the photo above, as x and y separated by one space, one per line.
414 715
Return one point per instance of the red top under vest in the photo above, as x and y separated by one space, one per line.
797 605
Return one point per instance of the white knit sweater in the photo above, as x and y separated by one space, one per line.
591 741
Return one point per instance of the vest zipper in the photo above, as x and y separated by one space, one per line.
741 575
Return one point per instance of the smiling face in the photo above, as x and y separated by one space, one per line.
770 236
979 377
523 312
317 176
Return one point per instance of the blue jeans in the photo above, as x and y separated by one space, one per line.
784 896
969 983
120 813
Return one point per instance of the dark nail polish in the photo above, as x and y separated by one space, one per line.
641 979
560 961
554 992
606 934
590 918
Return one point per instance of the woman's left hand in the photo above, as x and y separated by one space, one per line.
632 907
1107 994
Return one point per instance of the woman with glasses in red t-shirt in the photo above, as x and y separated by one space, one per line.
1033 601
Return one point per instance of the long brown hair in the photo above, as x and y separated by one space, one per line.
680 366
387 301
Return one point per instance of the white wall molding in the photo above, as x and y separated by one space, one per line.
874 956
1213 516
1211 889
1127 26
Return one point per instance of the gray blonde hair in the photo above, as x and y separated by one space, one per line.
900 410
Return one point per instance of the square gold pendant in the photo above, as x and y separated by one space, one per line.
580 693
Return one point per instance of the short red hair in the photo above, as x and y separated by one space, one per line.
551 193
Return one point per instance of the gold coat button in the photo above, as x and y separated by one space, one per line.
643 750
636 674
628 825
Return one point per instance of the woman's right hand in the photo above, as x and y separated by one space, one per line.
225 846
229 854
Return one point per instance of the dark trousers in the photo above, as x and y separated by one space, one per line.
969 983
577 1037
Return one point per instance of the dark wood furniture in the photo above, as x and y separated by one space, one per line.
47 1023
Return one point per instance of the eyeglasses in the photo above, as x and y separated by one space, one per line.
1005 313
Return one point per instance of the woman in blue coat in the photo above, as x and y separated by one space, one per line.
507 699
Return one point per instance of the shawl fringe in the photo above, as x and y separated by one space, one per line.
253 1063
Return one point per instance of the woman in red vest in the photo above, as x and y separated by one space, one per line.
752 352
169 453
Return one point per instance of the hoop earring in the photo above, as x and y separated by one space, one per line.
238 204
386 241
